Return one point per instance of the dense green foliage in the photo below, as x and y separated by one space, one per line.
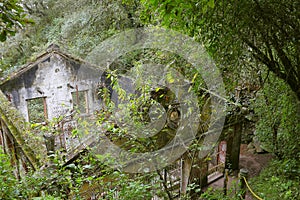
257 43
253 42
77 27
12 18
281 180
278 126
7 178
61 181
238 32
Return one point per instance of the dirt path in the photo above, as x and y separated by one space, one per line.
253 162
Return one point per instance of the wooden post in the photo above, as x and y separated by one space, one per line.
228 157
236 144
233 142
186 170
243 174
225 182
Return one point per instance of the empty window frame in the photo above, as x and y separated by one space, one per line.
80 101
37 110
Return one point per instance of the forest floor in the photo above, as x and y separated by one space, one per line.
253 162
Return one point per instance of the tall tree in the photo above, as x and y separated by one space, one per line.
267 30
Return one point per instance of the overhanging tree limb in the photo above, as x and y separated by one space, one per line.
16 125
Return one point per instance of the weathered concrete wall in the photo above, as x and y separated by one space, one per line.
54 78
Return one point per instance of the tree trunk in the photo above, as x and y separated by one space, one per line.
233 142
236 144
16 125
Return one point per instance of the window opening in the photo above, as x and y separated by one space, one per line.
37 110
80 101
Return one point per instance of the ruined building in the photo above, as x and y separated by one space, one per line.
52 88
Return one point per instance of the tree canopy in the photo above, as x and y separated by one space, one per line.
266 30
